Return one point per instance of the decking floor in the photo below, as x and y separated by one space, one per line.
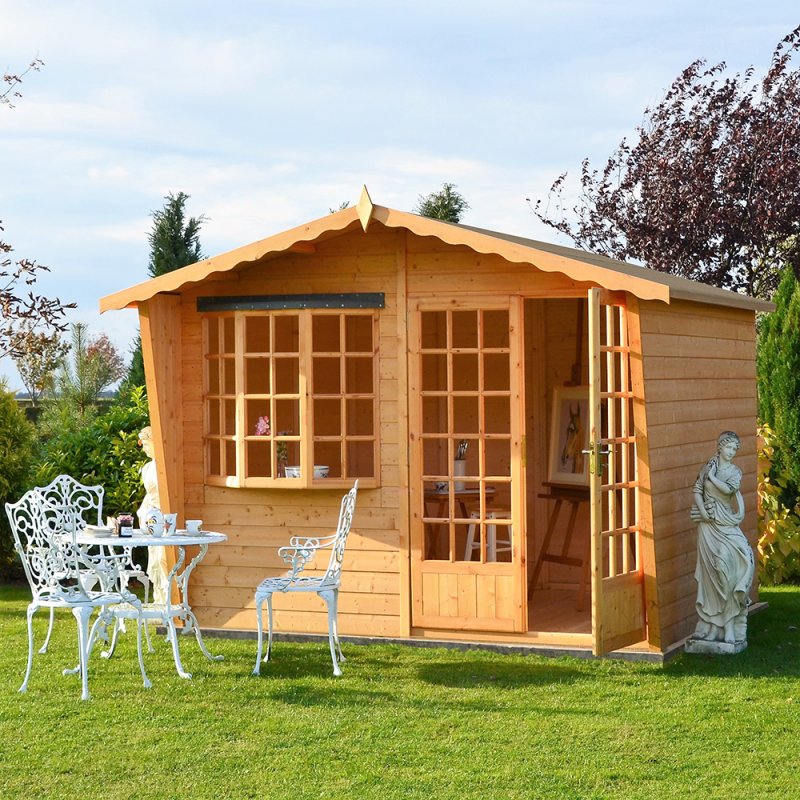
555 611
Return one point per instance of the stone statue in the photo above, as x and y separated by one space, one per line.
156 558
725 563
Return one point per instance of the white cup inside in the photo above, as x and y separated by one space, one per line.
194 525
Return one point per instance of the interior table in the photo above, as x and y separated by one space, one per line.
177 586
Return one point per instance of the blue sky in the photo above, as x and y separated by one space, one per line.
270 113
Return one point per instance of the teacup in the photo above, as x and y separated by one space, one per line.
193 525
170 523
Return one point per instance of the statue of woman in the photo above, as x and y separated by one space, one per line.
156 560
725 563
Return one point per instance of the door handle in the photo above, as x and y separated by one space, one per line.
595 463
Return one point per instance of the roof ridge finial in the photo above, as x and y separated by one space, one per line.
364 208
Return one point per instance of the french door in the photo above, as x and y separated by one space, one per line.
618 616
466 422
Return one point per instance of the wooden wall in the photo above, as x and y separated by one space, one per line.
699 380
259 521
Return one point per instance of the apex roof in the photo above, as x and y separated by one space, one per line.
580 265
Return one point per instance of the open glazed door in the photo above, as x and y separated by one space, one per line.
618 617
466 420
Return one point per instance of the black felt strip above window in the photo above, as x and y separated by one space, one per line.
271 302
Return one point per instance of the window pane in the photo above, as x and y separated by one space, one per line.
437 541
288 454
498 457
326 376
434 414
214 461
228 335
287 376
325 333
259 460
258 422
213 376
465 415
469 464
229 376
359 375
213 416
434 372
496 377
497 416
230 458
256 376
434 457
287 334
465 372
287 418
256 334
358 333
328 417
495 329
212 326
229 420
434 330
360 418
360 459
465 329
329 454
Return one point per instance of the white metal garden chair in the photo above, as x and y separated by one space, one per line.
300 552
85 505
60 575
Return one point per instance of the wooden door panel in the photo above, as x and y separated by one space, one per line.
465 387
618 610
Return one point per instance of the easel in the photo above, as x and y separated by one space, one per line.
574 495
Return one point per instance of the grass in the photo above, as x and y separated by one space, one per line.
402 722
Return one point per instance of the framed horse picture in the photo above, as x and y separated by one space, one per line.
569 436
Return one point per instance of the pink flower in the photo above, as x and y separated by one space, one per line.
262 426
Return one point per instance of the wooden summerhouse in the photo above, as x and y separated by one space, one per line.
526 422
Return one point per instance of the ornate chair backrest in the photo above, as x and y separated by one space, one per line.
50 564
333 573
85 503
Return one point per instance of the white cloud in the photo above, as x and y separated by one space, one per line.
270 114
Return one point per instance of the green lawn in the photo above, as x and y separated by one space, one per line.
401 722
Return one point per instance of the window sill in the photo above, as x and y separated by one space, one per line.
291 484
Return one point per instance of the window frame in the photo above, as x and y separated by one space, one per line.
305 397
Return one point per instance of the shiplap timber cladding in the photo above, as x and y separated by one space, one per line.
259 521
699 379
692 351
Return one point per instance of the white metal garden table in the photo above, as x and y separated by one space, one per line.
177 586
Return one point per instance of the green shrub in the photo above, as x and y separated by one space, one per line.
16 459
104 451
779 522
779 383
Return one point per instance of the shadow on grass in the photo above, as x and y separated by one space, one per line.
496 674
773 644
297 677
